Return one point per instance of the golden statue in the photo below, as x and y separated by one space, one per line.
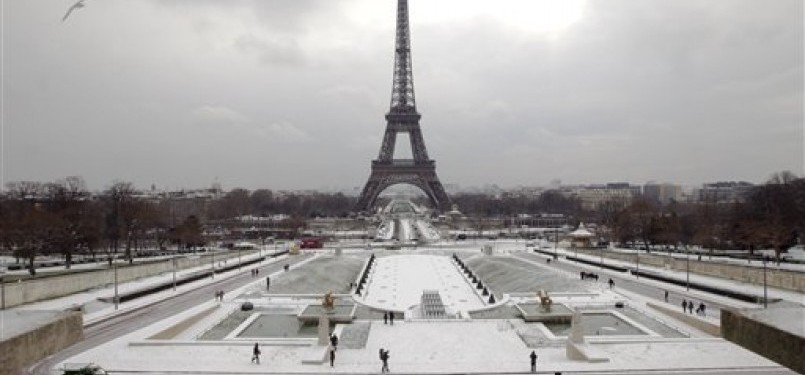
544 300
329 301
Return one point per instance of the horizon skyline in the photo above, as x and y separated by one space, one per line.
285 95
355 190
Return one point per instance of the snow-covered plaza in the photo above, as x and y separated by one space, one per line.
622 331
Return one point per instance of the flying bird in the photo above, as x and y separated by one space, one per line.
78 4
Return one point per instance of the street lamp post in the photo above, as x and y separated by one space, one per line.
765 291
687 268
117 298
556 241
212 263
2 293
601 253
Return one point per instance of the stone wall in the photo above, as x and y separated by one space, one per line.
691 320
43 288
27 348
781 346
783 279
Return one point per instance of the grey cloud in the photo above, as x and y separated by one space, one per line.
279 51
686 91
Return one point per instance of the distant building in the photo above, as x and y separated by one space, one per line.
662 193
724 192
593 196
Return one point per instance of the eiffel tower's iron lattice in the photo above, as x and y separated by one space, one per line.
403 118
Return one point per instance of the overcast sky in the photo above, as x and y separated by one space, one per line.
288 94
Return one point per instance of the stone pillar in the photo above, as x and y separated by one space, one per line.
324 329
576 328
575 338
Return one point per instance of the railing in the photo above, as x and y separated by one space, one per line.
402 163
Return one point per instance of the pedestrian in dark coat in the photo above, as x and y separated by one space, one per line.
384 356
533 357
611 283
684 305
256 354
704 309
666 296
334 341
332 356
385 317
391 317
690 307
268 282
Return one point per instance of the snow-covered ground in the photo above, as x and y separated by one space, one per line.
424 346
433 346
397 283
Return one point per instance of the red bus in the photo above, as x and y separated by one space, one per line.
312 243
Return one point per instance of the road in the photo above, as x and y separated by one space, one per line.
116 326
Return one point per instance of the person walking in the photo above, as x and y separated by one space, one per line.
666 296
391 317
384 357
684 305
704 309
690 307
334 341
611 283
385 317
256 354
332 356
268 282
533 357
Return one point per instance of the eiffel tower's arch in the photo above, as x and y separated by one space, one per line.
379 183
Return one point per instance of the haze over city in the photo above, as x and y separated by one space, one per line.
291 94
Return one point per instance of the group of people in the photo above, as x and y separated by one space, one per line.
588 275
688 307
219 295
255 272
388 317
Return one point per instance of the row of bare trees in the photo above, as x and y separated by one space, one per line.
63 218
262 202
483 205
772 216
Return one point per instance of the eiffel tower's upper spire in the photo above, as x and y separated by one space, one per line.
402 91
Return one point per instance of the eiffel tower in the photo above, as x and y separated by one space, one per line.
403 118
